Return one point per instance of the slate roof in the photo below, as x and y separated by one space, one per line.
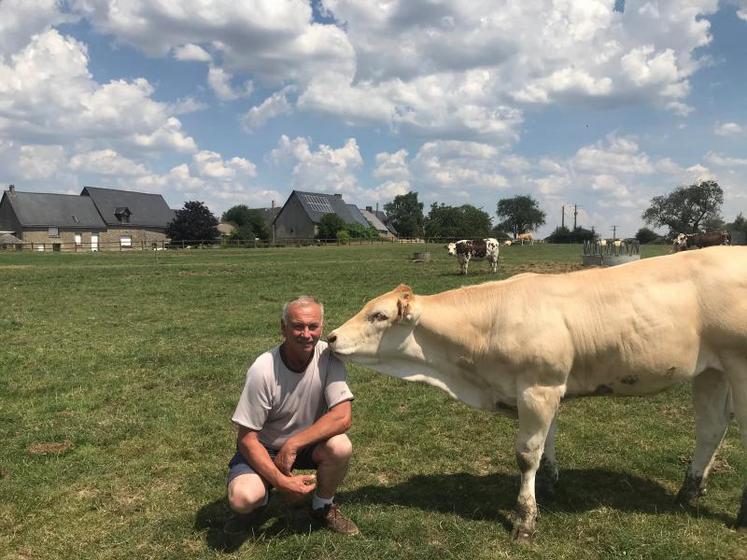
316 205
146 209
375 222
9 239
268 214
60 210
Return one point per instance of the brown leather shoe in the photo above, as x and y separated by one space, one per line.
332 518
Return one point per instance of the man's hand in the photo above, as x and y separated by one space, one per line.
295 488
286 457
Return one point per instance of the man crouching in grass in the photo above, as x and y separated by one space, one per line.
293 414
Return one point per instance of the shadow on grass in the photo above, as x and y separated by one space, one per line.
492 497
278 519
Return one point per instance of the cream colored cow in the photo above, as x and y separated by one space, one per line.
527 342
527 236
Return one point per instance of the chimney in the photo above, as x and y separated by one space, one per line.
11 190
369 208
338 195
273 204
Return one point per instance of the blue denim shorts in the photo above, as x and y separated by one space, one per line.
238 465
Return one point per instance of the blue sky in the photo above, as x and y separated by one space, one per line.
598 103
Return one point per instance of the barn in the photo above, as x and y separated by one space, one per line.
299 217
97 219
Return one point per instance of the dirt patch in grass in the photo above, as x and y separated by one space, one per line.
50 448
544 268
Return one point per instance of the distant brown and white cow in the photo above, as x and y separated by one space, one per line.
528 342
685 241
468 249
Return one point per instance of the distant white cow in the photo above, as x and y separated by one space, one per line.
468 249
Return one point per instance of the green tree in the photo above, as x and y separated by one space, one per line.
519 214
645 235
564 235
329 225
686 209
250 223
461 221
406 214
194 222
238 215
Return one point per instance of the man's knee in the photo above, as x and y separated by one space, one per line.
336 449
245 494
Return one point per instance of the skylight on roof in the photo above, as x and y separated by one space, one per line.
319 203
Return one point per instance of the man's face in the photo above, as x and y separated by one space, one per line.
303 329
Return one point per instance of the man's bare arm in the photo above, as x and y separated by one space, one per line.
260 460
337 420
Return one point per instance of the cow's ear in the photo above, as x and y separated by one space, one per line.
404 300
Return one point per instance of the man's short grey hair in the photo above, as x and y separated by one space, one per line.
301 300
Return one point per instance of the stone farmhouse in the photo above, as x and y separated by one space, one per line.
299 217
97 219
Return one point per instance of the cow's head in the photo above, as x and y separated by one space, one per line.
383 325
451 248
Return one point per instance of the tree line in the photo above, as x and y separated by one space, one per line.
687 209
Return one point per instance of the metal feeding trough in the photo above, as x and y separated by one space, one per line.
421 257
610 252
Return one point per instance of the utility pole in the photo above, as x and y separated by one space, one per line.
614 233
575 213
562 217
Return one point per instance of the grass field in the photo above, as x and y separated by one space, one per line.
119 374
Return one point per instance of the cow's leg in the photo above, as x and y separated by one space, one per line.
493 264
548 474
465 264
712 411
537 406
737 374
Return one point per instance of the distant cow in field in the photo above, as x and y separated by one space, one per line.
467 249
528 237
699 240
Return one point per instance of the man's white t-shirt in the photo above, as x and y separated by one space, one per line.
278 402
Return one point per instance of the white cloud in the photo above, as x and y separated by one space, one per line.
719 160
326 169
47 92
192 52
274 106
728 129
211 165
392 166
617 155
448 68
41 162
21 19
220 82
106 162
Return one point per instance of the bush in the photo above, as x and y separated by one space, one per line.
343 236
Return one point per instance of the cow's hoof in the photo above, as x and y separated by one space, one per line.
523 534
692 489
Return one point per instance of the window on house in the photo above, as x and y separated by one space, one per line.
54 231
125 241
123 214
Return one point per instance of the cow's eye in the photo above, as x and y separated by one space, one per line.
378 316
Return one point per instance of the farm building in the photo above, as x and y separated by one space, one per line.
301 214
377 221
97 219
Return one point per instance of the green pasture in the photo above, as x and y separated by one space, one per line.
119 374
